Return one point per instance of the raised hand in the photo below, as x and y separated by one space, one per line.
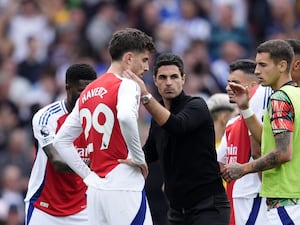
129 74
240 95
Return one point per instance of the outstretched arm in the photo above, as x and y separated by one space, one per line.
282 153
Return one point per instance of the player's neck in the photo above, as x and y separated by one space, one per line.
68 105
116 68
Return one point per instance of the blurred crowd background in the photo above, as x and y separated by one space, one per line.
39 39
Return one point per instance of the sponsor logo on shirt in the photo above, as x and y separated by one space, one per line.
84 154
231 153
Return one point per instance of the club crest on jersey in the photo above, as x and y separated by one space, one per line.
44 131
98 91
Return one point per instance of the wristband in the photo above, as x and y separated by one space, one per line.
247 113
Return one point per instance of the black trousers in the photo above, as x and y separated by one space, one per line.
214 210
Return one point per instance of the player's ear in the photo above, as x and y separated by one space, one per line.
282 65
127 57
296 64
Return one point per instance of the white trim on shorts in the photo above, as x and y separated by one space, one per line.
38 217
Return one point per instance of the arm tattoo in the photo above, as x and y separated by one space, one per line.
268 162
283 141
272 159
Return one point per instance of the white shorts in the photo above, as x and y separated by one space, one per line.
39 217
250 211
284 215
107 207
